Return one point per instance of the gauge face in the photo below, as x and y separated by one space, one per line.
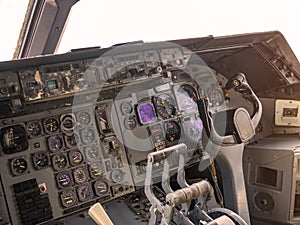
51 125
19 166
173 131
34 128
96 169
75 157
59 161
55 143
71 140
13 139
130 122
165 106
64 179
117 175
83 118
87 135
68 198
80 175
126 108
67 123
216 97
91 153
146 113
85 192
40 160
101 188
187 98
193 129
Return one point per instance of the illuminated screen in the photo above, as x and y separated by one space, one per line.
52 84
146 113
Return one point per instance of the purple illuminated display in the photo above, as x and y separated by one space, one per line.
146 113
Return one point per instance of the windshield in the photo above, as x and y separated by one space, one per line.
104 23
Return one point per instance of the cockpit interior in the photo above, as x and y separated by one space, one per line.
191 132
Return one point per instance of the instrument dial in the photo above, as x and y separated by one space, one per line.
71 140
216 97
18 166
101 188
13 139
96 170
34 128
186 98
75 157
80 175
59 161
68 198
40 160
130 122
92 153
117 175
87 135
165 106
126 108
173 131
67 123
83 118
55 143
51 125
64 179
85 192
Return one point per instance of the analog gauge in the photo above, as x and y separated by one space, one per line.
117 175
64 179
101 188
55 143
165 106
193 128
173 131
85 192
71 140
96 170
34 128
146 113
80 175
87 135
83 118
51 125
126 108
59 161
40 160
18 166
130 122
13 139
216 97
68 198
75 157
67 123
186 98
92 153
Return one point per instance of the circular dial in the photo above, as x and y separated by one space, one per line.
13 139
64 179
40 160
130 122
91 153
126 108
59 161
83 118
80 175
186 98
68 198
34 128
55 143
87 135
85 192
96 170
216 97
173 131
67 122
51 125
19 165
165 106
117 175
71 140
75 157
101 188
